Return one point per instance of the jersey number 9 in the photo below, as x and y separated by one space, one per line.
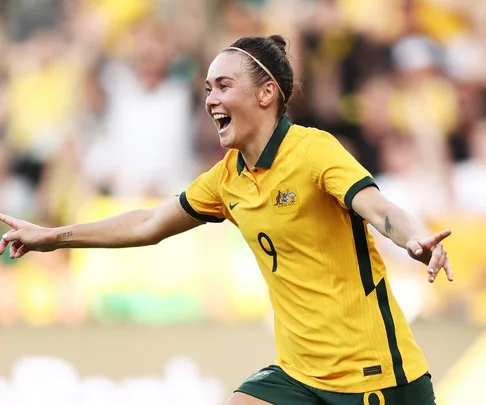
268 248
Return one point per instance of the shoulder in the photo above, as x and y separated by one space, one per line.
226 165
310 134
230 161
311 139
231 156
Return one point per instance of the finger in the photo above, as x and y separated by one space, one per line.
448 269
440 262
23 250
14 247
10 221
3 245
434 263
438 237
11 236
442 259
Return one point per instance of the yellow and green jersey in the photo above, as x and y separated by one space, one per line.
337 325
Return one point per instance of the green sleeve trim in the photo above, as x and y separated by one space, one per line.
193 213
356 187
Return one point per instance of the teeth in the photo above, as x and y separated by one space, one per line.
220 116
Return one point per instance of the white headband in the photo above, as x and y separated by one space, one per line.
262 66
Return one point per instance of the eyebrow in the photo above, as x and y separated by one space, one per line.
218 79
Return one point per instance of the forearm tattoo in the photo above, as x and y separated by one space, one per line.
388 226
64 235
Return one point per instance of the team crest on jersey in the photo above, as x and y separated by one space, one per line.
285 199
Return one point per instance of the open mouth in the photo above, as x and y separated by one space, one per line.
223 121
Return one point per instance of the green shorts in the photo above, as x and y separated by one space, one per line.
273 385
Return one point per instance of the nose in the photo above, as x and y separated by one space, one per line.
212 100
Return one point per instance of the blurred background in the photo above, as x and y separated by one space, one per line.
101 110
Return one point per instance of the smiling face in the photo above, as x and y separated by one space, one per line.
232 100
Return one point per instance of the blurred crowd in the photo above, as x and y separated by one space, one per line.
43 380
104 99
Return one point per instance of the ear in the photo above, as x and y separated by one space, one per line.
268 92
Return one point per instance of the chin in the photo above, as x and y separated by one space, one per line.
227 141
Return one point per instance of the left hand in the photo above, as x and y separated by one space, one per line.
431 252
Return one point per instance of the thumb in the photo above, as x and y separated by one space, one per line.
415 247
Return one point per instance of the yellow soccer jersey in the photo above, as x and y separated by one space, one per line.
337 324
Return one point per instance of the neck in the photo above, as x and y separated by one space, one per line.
254 148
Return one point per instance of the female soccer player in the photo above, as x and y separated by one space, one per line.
302 203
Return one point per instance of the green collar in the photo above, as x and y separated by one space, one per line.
268 155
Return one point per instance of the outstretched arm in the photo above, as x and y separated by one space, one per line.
133 228
404 230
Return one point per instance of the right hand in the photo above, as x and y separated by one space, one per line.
25 237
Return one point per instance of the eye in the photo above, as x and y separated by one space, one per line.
223 86
208 90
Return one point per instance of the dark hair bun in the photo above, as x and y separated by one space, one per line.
280 41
